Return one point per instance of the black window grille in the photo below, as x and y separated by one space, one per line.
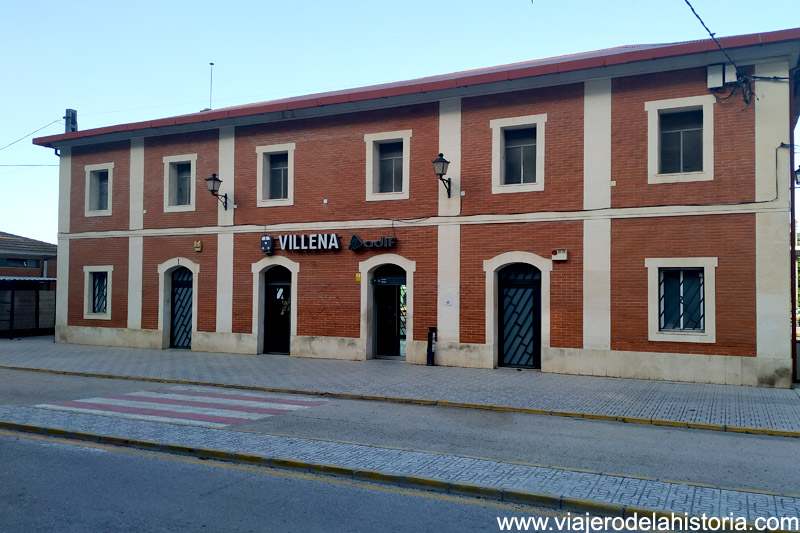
99 291
681 300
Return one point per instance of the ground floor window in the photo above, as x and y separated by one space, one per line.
97 292
681 299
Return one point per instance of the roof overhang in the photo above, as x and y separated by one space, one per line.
625 61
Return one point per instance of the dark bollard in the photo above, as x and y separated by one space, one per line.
431 345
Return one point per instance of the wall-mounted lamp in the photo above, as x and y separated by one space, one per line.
213 184
440 169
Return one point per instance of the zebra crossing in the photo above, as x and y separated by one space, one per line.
201 406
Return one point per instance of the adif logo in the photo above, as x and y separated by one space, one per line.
355 243
384 242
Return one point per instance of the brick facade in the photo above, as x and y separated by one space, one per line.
601 205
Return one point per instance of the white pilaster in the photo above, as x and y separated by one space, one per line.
450 146
62 267
62 286
135 263
227 143
137 183
773 281
448 283
597 144
64 189
225 282
597 232
449 235
597 284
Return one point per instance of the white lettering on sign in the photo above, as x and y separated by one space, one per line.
314 241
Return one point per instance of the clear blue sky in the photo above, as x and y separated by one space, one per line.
120 62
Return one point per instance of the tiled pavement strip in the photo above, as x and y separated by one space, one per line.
768 409
523 483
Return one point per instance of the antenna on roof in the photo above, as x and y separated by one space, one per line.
210 84
70 121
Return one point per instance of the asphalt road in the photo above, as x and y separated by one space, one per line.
55 485
700 456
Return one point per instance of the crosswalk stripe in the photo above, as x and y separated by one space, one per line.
110 406
164 399
223 403
250 397
137 416
135 404
198 406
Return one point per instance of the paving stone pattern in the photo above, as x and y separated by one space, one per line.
751 407
672 497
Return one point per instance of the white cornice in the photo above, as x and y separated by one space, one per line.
433 221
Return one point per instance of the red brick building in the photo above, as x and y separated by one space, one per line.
626 212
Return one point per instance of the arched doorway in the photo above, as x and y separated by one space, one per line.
520 316
390 307
277 310
181 313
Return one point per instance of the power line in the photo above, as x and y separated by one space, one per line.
712 35
28 135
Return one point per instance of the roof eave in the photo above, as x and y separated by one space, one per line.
682 55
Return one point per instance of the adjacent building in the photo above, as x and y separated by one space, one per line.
27 286
625 212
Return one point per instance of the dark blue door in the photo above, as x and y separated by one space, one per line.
520 316
181 331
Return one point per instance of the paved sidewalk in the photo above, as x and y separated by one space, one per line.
571 490
772 411
721 407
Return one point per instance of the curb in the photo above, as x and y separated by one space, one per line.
570 504
443 403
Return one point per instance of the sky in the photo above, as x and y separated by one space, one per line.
121 62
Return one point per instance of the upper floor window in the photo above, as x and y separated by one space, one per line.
275 169
99 180
680 139
179 182
388 164
390 167
518 154
681 142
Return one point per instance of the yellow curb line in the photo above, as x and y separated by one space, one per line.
419 401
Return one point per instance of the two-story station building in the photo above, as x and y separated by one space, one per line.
625 212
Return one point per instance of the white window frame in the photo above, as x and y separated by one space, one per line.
262 153
91 189
709 266
88 292
169 161
498 126
373 140
692 103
